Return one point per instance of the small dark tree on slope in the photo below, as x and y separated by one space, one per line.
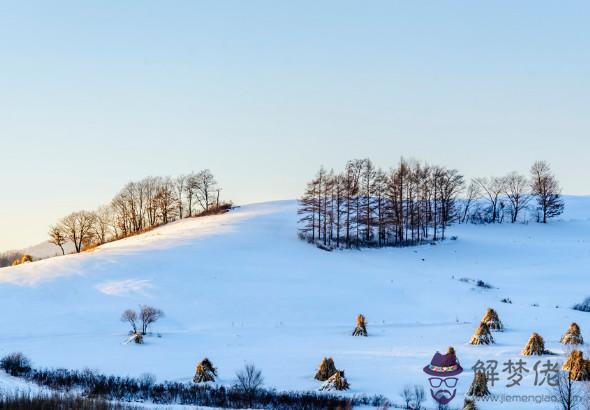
148 316
15 364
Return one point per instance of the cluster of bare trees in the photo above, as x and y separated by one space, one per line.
365 206
139 206
491 200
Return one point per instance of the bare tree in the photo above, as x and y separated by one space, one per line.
516 190
493 188
206 188
190 188
148 316
179 187
249 380
130 316
545 188
473 192
568 393
77 228
57 237
102 223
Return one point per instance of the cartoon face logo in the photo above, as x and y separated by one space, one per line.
442 371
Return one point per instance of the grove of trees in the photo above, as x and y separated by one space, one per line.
140 206
416 202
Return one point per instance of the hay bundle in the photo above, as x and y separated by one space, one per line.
577 366
326 370
469 405
205 372
336 382
493 321
535 346
479 386
360 329
572 336
482 335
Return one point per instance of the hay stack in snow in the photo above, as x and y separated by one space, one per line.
360 329
479 386
572 336
205 372
336 382
482 335
469 405
535 346
493 321
577 366
326 370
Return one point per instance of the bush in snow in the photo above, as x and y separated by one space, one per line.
15 364
205 372
492 319
326 369
482 284
584 306
572 336
479 386
506 300
535 346
360 329
482 335
336 382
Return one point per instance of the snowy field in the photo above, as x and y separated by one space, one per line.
241 288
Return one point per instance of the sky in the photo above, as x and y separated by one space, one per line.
95 94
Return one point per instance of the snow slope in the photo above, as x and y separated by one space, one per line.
241 288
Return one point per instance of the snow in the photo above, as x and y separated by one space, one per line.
240 288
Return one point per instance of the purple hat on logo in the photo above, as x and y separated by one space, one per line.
443 365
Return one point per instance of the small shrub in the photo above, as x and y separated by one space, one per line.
506 300
584 306
454 238
16 364
484 285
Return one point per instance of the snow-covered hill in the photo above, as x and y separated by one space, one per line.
241 287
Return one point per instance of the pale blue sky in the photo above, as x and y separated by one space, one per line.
93 94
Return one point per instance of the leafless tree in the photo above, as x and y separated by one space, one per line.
77 228
545 188
130 316
473 192
516 190
567 391
492 188
206 188
57 237
190 189
102 223
179 187
149 315
165 201
249 380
